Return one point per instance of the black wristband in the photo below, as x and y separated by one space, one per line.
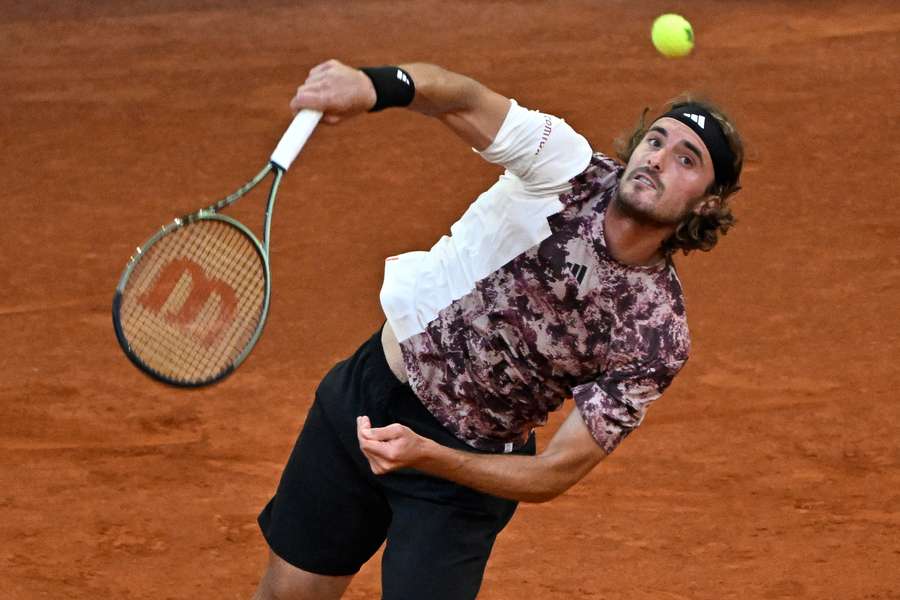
393 87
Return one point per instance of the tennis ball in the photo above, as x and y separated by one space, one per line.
672 35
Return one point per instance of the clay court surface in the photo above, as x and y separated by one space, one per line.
770 468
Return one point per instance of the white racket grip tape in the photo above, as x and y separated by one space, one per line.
293 139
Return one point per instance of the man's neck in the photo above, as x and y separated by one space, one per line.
631 241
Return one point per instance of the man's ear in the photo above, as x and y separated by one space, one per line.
707 204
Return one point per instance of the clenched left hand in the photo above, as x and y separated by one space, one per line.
391 447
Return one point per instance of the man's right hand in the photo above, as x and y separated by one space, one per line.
335 89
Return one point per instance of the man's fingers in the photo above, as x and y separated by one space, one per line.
386 448
306 98
383 434
361 423
325 66
378 454
336 90
316 77
363 426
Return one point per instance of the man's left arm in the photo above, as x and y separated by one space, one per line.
570 455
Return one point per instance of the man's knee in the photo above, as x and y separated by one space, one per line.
284 581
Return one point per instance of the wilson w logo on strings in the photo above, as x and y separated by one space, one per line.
203 290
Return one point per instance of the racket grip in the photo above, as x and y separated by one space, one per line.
293 139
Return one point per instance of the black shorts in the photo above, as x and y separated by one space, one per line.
330 513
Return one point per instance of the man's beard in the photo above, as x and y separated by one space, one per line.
645 214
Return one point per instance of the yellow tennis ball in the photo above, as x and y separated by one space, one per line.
672 35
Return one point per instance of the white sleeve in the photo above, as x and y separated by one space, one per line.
540 149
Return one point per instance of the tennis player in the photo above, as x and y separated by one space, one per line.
557 282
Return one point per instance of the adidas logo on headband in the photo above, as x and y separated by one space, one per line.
698 119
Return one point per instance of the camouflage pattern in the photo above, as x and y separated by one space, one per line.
563 319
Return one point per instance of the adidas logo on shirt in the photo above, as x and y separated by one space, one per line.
698 119
577 270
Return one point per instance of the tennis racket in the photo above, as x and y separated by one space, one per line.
193 299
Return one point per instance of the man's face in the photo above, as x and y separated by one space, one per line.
667 175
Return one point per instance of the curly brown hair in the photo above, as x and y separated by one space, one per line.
697 231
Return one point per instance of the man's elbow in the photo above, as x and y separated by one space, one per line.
566 471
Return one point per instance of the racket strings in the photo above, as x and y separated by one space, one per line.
244 280
200 323
194 301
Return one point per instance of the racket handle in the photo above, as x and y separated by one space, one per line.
293 139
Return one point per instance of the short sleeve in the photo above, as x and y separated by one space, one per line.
615 404
540 149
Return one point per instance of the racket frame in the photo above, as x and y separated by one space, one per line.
210 213
289 146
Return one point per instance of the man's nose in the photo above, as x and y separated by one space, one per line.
655 160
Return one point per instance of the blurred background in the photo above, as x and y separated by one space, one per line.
768 470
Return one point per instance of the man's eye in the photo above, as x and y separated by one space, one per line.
687 161
653 142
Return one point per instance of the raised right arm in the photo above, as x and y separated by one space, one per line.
471 110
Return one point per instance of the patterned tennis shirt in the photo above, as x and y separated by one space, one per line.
522 305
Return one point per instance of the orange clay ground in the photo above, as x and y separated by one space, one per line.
770 468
